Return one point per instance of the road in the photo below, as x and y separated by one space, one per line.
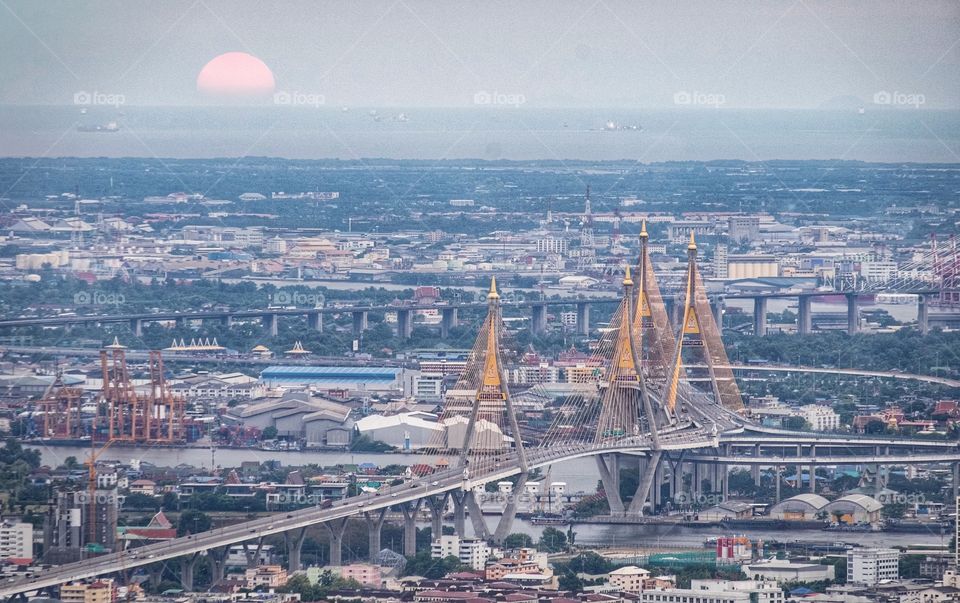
682 436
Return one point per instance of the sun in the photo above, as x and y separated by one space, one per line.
235 75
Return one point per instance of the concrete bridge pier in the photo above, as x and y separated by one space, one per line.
805 314
717 304
658 487
756 474
956 481
410 511
226 320
187 563
759 316
649 469
853 314
583 318
218 564
136 325
778 478
253 556
337 527
375 521
538 319
480 529
437 506
448 320
293 539
404 324
609 468
725 484
359 323
510 511
271 324
459 513
813 479
179 322
155 573
923 316
315 321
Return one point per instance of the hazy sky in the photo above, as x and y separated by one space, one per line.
408 53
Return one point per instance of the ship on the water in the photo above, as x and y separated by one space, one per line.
111 126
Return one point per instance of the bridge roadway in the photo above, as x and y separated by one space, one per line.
438 483
217 314
267 312
685 436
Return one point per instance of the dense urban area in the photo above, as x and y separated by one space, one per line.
190 348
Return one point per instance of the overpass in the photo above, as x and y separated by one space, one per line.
646 413
688 443
449 313
314 316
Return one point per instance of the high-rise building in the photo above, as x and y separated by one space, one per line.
871 566
70 531
470 551
743 229
720 261
16 540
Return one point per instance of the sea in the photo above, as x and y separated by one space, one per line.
875 134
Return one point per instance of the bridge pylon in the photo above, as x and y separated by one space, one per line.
479 422
651 325
626 409
699 336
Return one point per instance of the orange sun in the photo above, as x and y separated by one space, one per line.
235 75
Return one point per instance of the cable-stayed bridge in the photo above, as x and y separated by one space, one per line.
654 397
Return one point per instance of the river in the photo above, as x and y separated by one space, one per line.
579 474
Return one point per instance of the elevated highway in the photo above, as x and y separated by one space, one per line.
694 442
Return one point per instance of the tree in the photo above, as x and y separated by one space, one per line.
169 502
140 501
518 541
193 522
269 433
796 423
552 540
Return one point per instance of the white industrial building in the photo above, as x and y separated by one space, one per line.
406 431
298 416
718 591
